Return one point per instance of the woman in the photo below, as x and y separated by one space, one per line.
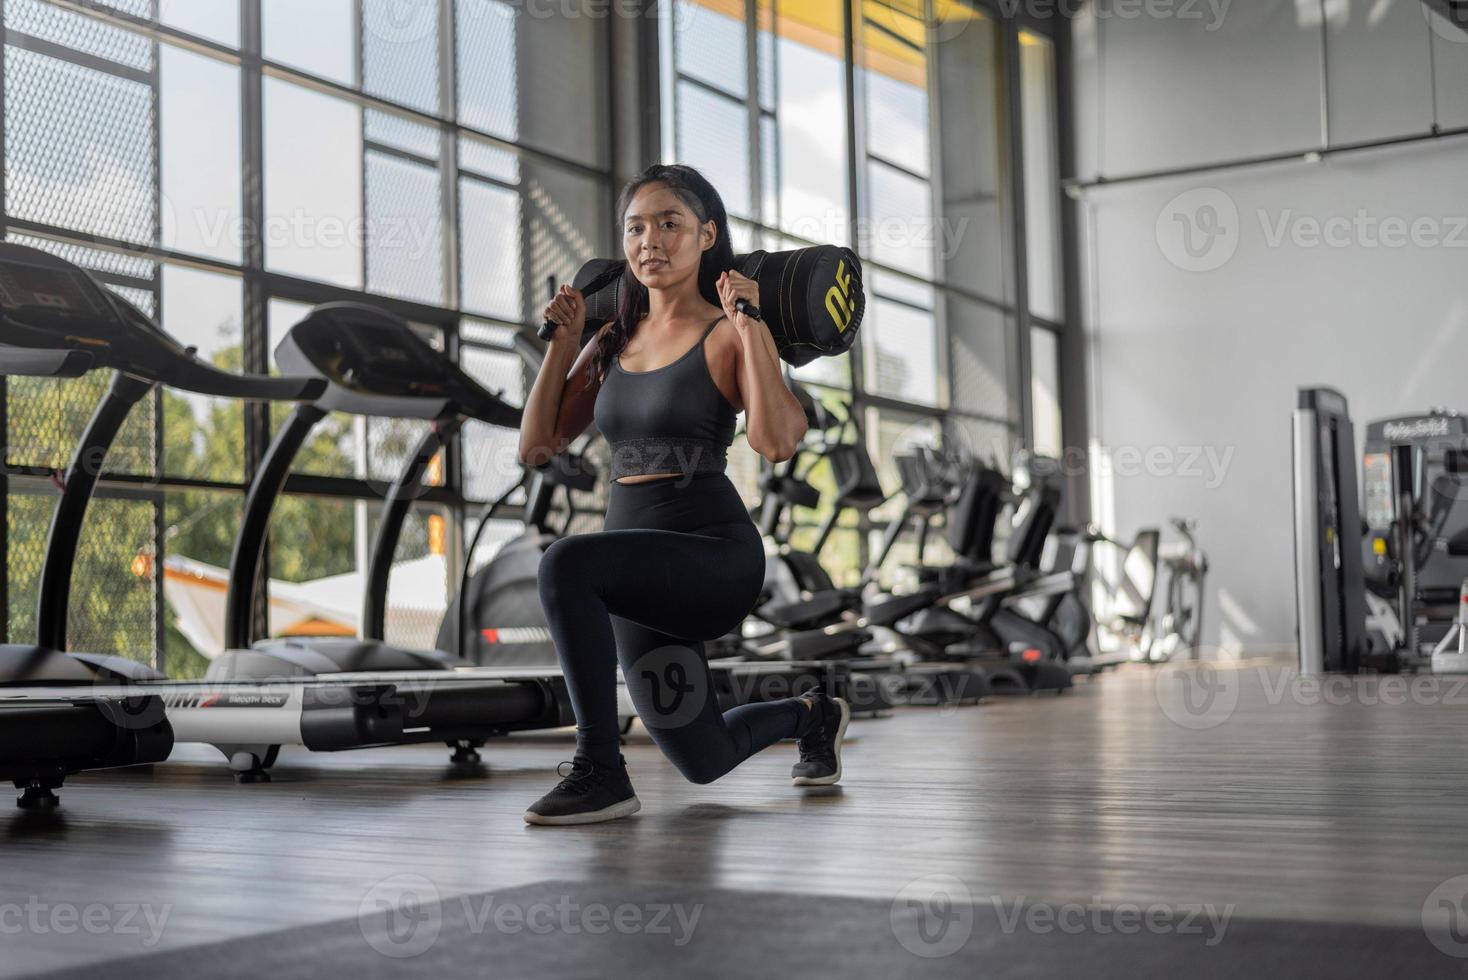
679 561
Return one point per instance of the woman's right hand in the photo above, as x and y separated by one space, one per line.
568 312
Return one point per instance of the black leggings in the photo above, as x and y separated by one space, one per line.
679 563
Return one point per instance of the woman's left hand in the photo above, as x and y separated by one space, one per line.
733 287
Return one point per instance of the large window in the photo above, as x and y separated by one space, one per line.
442 174
887 125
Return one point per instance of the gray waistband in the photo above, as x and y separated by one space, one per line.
666 454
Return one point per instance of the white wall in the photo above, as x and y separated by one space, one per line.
1202 352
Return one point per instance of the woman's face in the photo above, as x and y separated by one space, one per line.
662 238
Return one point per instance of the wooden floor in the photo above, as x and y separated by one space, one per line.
1285 802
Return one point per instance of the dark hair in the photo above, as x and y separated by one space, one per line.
694 190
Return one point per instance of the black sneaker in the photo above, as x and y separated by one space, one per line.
820 748
589 793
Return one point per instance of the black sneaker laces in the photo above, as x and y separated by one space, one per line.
580 779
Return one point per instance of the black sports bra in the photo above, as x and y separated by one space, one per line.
672 419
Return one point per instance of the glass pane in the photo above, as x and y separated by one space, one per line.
901 232
972 221
312 541
980 358
78 32
488 69
811 113
889 433
490 452
713 137
568 219
218 20
204 438
1045 393
901 346
895 72
400 51
490 161
318 37
405 229
313 200
201 526
1042 175
405 134
112 609
566 110
489 239
52 108
200 148
711 46
420 582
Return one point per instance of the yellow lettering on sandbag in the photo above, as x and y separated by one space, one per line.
838 298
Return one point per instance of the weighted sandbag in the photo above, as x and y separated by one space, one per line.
811 299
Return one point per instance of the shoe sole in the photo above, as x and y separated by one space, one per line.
614 812
835 777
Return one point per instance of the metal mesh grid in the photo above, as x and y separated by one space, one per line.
27 518
491 465
93 259
79 148
405 134
488 67
80 33
389 444
489 243
568 218
400 51
405 229
713 136
47 417
491 161
711 47
979 358
113 587
144 299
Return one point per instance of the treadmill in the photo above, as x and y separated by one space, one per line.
376 365
45 739
53 308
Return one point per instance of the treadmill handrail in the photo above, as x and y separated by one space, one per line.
24 362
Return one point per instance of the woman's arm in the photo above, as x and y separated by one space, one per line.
562 399
774 421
